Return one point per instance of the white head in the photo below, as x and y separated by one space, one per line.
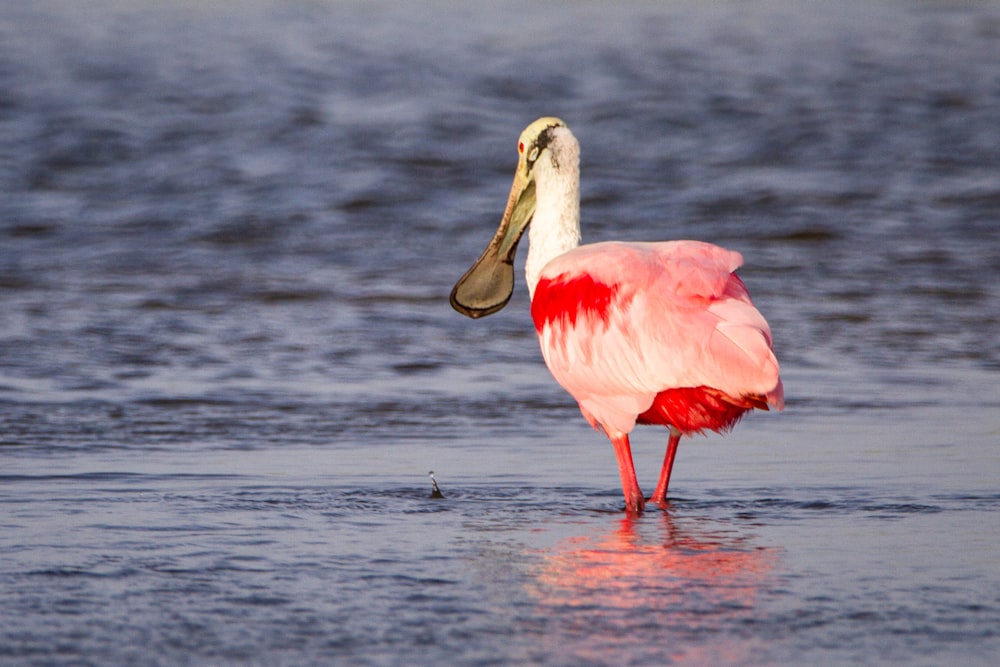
545 192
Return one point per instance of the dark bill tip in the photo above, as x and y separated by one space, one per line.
485 288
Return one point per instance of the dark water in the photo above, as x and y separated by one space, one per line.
227 361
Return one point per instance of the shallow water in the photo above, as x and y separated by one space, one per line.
227 361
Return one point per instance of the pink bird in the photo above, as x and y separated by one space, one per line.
638 333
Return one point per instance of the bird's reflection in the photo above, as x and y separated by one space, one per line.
686 586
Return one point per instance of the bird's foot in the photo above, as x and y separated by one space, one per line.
635 504
660 500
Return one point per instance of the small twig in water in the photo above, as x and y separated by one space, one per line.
435 491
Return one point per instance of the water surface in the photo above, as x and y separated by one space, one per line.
227 361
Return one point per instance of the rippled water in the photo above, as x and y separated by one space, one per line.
227 360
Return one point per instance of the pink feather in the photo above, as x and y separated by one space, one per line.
620 323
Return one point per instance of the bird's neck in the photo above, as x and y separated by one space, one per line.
555 227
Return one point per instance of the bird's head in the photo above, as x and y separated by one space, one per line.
487 286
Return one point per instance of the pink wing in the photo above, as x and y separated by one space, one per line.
620 322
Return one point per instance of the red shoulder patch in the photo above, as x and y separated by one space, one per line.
695 409
567 297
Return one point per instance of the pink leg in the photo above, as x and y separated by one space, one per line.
634 501
660 492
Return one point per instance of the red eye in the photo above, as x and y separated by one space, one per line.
520 147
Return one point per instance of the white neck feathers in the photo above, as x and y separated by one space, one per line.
555 227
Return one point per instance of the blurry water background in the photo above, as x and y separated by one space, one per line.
228 231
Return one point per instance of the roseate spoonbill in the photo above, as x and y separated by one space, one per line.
638 333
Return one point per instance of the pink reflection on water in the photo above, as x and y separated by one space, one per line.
682 590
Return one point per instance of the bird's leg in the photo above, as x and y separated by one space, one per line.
660 492
634 501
